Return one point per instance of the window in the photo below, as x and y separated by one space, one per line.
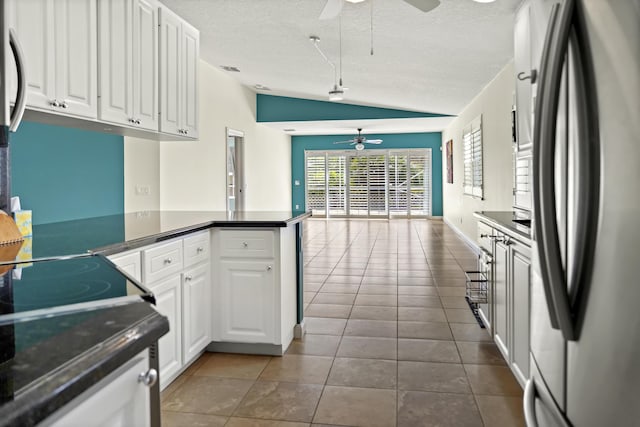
472 141
375 183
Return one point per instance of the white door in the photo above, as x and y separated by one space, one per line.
170 72
248 301
33 22
189 59
76 56
115 56
196 296
145 64
169 304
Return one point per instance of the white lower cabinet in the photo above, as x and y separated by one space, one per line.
120 399
196 295
169 304
247 301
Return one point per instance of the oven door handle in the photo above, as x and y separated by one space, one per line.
21 96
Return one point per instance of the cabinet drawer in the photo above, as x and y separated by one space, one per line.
129 263
161 261
196 248
246 243
484 230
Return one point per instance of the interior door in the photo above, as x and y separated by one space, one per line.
235 171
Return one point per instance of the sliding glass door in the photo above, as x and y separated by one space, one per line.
376 183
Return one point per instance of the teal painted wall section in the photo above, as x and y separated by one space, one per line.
62 173
272 108
431 140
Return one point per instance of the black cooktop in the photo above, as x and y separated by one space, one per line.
37 288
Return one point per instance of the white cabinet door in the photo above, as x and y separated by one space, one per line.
33 22
196 297
76 58
520 276
522 64
169 303
145 64
190 49
115 61
118 400
501 298
248 301
170 72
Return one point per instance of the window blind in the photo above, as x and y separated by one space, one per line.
472 142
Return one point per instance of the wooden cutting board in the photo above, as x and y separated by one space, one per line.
10 241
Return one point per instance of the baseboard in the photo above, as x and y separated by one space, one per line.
246 348
473 245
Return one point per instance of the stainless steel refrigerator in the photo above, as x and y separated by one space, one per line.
585 295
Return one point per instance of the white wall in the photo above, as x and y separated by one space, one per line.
494 103
141 168
192 174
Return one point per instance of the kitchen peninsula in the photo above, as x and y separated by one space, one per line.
170 248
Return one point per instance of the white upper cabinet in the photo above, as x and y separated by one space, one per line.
60 49
128 43
179 53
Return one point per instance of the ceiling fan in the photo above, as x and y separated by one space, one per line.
334 7
359 141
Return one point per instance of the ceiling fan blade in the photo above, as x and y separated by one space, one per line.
345 142
373 141
424 5
331 9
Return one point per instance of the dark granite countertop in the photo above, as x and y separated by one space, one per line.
504 221
117 233
46 362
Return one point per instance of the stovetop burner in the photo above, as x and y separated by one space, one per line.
62 282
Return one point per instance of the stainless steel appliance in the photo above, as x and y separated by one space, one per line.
585 320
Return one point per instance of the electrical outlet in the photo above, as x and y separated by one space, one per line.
143 190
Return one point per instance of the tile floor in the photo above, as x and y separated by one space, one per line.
390 342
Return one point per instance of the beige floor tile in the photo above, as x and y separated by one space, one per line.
317 345
427 376
444 282
371 328
428 351
377 300
416 281
182 419
469 332
312 286
357 406
501 411
374 313
297 368
414 274
376 271
451 291
370 373
421 314
324 325
418 290
197 364
378 290
338 288
255 422
419 301
308 296
328 298
418 408
368 348
454 302
375 280
242 366
328 310
480 353
460 315
424 330
280 401
164 395
494 380
208 395
345 280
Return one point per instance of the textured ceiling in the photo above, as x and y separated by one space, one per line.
430 62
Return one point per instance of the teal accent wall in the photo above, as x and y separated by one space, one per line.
431 140
271 108
63 173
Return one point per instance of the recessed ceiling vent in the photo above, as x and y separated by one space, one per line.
230 68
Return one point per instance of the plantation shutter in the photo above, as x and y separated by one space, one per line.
472 141
316 184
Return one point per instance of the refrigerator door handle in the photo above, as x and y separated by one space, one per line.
548 226
21 96
537 163
529 403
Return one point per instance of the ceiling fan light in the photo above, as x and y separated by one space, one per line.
336 94
355 1
359 146
484 1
